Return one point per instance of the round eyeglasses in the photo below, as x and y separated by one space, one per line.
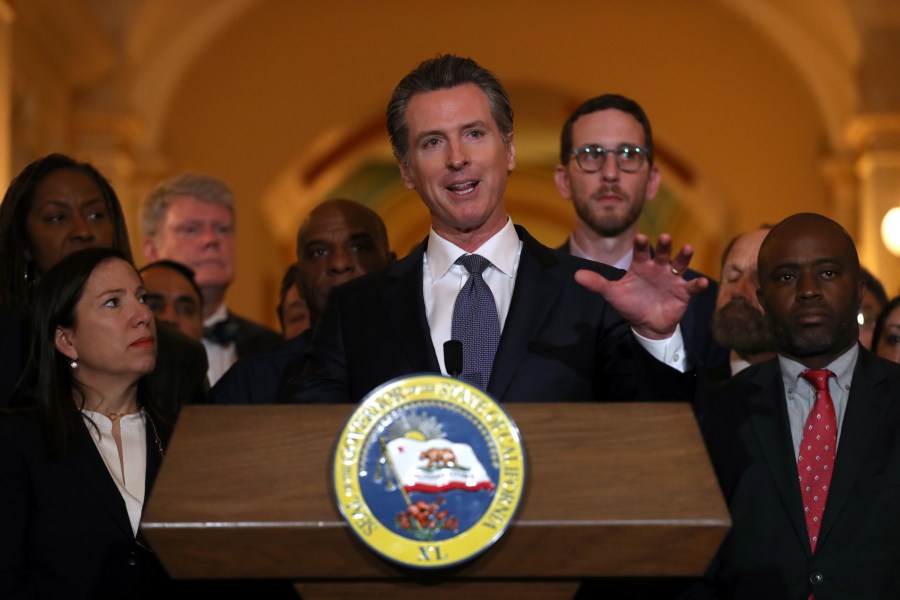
629 158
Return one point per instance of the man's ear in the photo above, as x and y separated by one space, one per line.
510 155
652 183
64 342
563 184
406 175
149 248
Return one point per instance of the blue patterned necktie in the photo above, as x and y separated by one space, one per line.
475 322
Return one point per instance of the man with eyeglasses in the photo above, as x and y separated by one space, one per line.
606 169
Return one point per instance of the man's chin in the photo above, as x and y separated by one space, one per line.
608 225
215 279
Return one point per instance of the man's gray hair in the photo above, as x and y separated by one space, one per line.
202 187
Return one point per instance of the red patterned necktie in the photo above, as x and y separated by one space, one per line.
817 447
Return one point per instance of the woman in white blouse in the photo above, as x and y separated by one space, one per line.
76 467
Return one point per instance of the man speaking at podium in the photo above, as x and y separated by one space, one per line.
535 324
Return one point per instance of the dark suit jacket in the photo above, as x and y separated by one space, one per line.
259 379
65 529
767 554
710 383
560 341
252 338
180 374
696 322
13 351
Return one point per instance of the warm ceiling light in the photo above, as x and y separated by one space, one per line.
890 231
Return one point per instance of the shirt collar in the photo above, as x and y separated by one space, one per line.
738 365
220 315
502 249
576 250
842 367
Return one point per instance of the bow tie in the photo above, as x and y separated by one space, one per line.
222 333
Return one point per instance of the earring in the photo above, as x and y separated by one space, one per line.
74 364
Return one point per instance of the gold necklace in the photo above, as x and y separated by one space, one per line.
114 416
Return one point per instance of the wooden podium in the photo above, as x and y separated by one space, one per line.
621 490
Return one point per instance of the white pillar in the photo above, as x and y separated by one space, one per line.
878 168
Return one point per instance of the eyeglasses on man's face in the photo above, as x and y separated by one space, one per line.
629 159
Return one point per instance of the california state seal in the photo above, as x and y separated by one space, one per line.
429 471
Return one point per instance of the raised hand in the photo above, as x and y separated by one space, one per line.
653 294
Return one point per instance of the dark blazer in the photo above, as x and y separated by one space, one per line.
259 379
697 320
710 382
252 338
767 554
13 351
180 374
65 529
560 341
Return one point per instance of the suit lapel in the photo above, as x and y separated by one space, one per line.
86 459
535 292
404 304
767 408
155 445
866 405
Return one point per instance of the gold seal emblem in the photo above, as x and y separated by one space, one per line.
429 471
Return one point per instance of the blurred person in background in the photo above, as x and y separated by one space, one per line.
886 334
173 296
874 299
190 219
293 312
339 241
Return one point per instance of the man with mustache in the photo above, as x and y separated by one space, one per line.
738 323
805 446
609 196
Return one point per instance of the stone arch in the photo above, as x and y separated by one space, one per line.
723 198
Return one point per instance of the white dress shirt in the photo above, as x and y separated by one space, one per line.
220 357
130 473
442 280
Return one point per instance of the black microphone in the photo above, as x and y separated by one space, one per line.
453 357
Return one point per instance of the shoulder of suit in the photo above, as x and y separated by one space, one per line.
869 360
752 376
172 339
247 327
20 424
285 350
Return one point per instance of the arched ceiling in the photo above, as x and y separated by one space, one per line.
748 96
285 75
